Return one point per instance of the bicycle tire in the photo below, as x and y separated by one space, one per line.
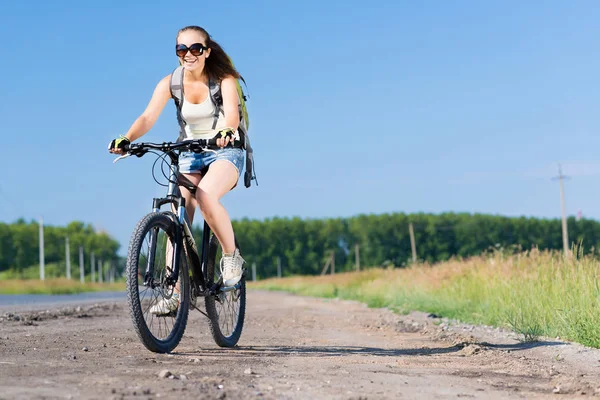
161 221
222 339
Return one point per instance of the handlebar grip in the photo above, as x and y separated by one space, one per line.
199 145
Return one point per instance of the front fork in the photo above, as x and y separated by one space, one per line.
149 275
172 277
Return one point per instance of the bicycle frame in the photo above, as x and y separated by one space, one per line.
183 236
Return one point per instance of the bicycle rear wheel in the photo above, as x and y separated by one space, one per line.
150 249
226 310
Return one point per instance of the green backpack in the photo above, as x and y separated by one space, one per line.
217 98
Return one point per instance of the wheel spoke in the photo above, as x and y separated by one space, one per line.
154 239
224 309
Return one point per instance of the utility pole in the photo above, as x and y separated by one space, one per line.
81 271
332 262
93 268
278 267
326 265
565 232
253 271
100 271
42 266
68 257
413 246
356 257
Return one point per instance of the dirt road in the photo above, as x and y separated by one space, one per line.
291 348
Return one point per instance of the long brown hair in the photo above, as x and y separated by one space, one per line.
218 65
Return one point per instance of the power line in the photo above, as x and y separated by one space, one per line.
42 257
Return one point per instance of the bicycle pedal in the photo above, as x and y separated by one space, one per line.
172 314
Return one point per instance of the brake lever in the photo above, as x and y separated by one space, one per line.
121 157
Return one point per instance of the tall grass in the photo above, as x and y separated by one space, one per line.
534 293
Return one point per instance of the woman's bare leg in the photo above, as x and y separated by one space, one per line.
219 179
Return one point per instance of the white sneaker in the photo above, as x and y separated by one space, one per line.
165 306
231 268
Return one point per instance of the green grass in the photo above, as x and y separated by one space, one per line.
27 281
51 270
533 293
55 286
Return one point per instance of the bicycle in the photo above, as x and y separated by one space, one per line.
164 234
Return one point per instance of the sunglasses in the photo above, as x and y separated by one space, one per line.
196 49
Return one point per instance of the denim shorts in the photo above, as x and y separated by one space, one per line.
191 163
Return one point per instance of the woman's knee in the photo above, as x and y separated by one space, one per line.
207 203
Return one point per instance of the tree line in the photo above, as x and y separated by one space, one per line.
20 245
302 246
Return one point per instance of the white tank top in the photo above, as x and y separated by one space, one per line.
199 119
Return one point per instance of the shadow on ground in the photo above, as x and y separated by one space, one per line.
340 351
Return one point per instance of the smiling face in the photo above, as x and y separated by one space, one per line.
191 50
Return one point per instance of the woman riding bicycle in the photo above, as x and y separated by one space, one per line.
214 173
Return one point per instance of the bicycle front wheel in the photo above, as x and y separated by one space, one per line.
226 309
158 309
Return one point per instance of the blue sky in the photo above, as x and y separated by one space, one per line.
355 107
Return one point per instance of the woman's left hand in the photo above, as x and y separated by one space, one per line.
226 137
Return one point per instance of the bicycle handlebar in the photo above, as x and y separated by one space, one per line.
195 145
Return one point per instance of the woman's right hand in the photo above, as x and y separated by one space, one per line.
116 145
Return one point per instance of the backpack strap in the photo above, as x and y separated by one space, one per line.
250 172
243 94
214 89
177 96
